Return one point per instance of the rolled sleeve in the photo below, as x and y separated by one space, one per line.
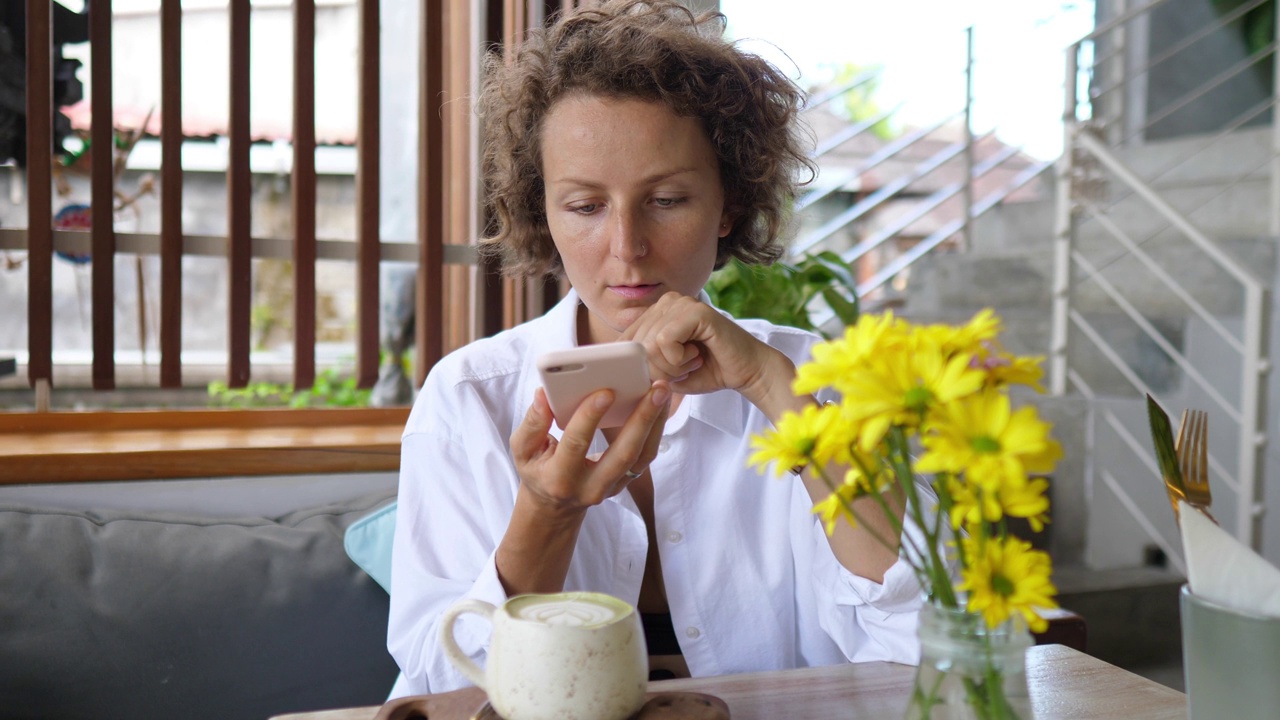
867 620
444 552
899 593
433 672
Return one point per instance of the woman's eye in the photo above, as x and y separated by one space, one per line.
584 209
667 201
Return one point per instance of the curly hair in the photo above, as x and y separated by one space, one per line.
653 50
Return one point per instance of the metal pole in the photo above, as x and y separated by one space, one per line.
1062 234
1117 72
968 140
1275 140
1253 417
1258 340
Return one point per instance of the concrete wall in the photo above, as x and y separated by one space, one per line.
1152 104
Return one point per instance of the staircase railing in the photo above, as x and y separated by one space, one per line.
1137 218
905 185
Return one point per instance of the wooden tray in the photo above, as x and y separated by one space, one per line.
461 705
657 706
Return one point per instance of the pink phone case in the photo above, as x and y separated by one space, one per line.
569 376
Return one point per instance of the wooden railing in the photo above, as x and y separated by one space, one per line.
457 299
453 33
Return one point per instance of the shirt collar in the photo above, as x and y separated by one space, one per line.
560 329
721 410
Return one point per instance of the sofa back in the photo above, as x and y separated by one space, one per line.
151 614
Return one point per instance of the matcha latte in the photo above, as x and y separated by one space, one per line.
584 610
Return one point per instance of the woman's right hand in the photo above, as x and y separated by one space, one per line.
559 477
558 482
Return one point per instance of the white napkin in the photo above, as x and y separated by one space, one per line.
1224 570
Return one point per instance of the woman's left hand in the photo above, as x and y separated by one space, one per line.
701 351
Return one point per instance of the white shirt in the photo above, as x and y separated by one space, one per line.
750 579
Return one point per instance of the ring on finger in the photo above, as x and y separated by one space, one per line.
634 474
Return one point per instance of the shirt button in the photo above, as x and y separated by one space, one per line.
692 632
663 446
674 537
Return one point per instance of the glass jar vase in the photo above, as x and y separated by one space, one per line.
969 671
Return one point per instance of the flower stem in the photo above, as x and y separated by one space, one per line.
940 585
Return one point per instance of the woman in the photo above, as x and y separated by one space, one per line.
632 150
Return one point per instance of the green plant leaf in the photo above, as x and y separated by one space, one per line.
846 310
782 292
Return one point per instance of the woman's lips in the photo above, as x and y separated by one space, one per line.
633 292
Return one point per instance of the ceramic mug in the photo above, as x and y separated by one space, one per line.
565 656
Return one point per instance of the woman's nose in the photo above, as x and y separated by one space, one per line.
627 241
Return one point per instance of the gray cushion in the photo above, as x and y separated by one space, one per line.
144 615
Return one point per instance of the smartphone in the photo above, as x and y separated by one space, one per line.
569 376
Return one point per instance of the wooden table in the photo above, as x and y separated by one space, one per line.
1065 685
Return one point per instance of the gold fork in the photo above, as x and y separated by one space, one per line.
1192 448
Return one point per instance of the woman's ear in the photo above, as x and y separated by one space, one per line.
726 224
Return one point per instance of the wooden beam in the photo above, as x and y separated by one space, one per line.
102 198
239 203
255 420
499 296
170 193
304 193
367 184
39 159
152 445
429 314
458 207
514 310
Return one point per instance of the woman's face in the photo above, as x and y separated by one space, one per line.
634 203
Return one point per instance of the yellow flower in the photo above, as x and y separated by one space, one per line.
836 361
1007 576
856 485
970 506
969 338
818 434
949 386
1028 500
975 503
1007 369
980 437
901 388
832 509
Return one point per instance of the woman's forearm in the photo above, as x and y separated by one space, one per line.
869 547
535 552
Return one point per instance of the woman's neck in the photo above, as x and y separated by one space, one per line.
590 333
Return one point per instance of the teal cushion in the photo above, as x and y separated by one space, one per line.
368 543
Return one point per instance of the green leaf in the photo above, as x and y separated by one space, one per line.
846 310
781 293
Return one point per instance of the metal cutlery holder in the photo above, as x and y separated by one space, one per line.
1230 660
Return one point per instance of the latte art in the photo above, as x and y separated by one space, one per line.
573 612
